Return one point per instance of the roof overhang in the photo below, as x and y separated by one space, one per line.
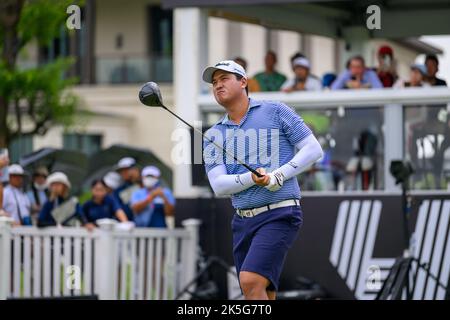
399 18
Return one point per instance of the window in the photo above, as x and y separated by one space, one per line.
58 47
87 143
19 147
161 43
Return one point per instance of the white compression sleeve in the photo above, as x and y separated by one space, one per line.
310 151
227 184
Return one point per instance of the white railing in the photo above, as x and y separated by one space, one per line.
348 98
108 263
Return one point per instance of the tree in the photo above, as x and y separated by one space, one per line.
32 100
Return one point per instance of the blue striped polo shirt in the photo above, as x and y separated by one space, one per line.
265 138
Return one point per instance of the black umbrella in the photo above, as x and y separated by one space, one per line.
73 163
106 160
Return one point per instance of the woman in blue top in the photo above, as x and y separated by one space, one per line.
60 209
101 206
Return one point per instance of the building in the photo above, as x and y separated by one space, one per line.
119 49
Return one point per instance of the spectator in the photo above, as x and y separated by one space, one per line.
126 167
38 193
357 76
295 56
303 79
252 84
60 209
270 79
152 203
386 70
101 206
4 161
112 181
15 202
327 80
417 74
432 64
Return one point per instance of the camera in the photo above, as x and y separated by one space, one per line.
401 170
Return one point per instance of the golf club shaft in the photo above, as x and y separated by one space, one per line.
259 175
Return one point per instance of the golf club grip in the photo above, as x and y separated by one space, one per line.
259 175
256 173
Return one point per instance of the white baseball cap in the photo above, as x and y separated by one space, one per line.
419 67
16 169
125 163
301 62
58 177
226 65
112 180
151 171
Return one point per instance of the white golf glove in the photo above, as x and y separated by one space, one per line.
276 181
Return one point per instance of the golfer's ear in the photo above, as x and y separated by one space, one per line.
244 82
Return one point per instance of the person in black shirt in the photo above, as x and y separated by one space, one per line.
101 206
432 64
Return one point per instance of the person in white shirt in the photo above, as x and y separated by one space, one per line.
4 161
15 202
303 80
416 77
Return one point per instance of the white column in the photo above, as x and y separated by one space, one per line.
191 57
393 141
5 256
190 254
288 44
356 42
105 266
217 32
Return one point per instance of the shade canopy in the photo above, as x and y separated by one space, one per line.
106 160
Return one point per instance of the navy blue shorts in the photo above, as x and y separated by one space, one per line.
260 243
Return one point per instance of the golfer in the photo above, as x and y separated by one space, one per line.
265 135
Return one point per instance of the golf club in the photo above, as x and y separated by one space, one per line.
150 95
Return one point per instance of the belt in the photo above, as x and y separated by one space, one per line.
248 213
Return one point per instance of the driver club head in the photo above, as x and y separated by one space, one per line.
150 95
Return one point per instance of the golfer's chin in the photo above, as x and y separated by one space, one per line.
221 98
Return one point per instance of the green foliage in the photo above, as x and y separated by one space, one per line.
319 122
42 20
41 90
40 94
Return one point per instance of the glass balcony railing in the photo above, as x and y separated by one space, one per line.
361 132
427 145
133 69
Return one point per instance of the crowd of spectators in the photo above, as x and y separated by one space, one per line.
125 194
357 74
